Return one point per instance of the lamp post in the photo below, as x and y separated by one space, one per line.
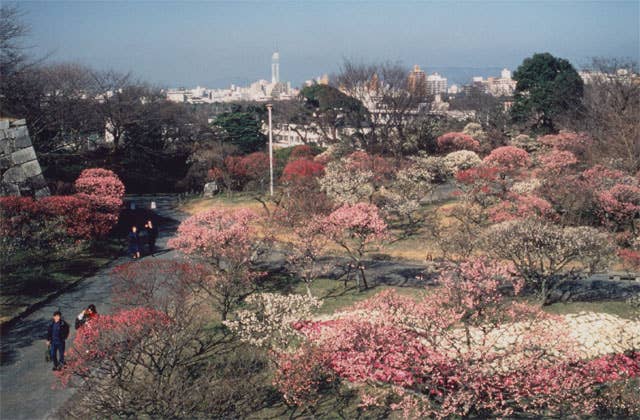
269 106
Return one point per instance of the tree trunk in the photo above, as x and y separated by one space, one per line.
364 279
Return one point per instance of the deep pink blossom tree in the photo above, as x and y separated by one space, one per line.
104 191
302 170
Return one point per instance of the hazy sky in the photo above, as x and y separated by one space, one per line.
217 43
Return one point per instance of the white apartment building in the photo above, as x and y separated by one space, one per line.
436 84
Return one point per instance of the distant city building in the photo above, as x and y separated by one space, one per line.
320 80
453 90
417 81
496 86
259 91
589 77
436 84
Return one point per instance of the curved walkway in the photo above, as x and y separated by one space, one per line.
26 380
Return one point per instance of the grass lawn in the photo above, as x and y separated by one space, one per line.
618 308
27 285
234 201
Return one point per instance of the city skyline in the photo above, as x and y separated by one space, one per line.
217 44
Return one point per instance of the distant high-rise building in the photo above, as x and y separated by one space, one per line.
417 81
374 83
436 84
275 67
505 74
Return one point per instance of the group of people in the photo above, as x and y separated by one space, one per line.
151 234
58 332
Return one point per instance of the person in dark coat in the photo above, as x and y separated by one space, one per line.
134 242
152 235
57 334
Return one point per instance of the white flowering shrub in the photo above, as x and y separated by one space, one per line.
435 165
461 160
541 251
347 185
526 187
270 318
475 130
401 200
525 142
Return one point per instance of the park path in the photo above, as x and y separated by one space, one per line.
26 380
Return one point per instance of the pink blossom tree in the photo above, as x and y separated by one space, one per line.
619 206
557 161
228 241
357 229
307 247
508 159
577 143
521 206
454 141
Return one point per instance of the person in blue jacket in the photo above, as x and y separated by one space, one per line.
57 334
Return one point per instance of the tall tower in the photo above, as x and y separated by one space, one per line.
275 67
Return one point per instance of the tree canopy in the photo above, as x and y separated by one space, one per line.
243 130
547 87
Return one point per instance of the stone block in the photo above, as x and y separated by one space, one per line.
21 141
24 155
5 163
4 124
18 123
32 168
42 192
14 175
7 188
18 132
6 146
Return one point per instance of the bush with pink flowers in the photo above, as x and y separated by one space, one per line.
454 141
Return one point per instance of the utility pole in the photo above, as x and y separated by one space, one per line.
269 106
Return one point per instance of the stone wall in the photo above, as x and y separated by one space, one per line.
21 172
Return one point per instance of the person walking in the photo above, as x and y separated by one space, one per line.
86 316
152 236
134 243
57 334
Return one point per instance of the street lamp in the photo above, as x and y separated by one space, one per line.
269 106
